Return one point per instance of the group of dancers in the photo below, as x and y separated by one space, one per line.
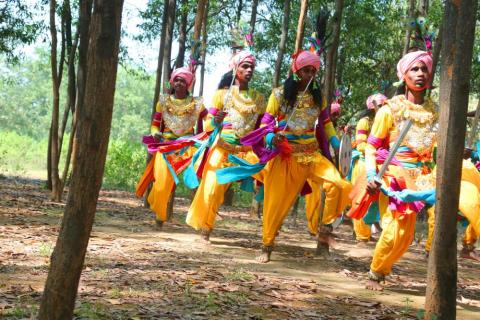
284 145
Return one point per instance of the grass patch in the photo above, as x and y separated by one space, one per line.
239 275
45 249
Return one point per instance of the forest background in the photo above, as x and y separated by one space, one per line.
371 41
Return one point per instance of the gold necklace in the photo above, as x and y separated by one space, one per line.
180 107
244 104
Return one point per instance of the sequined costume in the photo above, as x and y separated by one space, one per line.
244 110
176 120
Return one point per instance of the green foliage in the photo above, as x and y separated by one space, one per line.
17 26
19 153
125 165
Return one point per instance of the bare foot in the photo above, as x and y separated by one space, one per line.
469 254
205 236
373 285
323 249
158 225
264 256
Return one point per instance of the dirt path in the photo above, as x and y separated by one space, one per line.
133 271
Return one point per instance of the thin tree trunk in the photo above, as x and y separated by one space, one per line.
94 124
408 33
436 55
458 37
197 27
423 7
332 53
49 159
204 49
158 80
301 25
167 52
253 16
56 104
182 34
238 15
283 43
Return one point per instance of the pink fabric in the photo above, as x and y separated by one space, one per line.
335 107
410 58
305 58
361 131
240 57
183 73
374 141
378 98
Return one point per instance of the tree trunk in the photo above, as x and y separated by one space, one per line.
49 159
158 79
253 16
197 27
332 53
283 43
408 33
238 15
56 192
204 50
436 55
182 34
94 124
301 25
458 37
423 7
167 52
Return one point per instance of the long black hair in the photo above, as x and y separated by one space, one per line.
226 80
290 92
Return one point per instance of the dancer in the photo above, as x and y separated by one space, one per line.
237 110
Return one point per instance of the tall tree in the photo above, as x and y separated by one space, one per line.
94 123
457 47
57 71
283 43
167 52
182 34
301 25
158 77
408 32
204 49
253 16
331 58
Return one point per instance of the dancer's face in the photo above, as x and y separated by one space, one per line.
245 71
417 77
305 74
180 86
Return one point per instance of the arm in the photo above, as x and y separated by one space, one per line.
217 106
330 131
381 128
361 134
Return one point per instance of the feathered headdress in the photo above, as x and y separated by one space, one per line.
194 60
242 36
319 38
421 36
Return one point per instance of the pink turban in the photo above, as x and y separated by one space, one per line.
183 73
378 98
335 107
240 57
305 58
410 58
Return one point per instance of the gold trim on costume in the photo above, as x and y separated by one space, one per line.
180 115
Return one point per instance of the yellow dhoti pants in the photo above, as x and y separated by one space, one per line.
163 185
284 179
398 234
210 194
363 231
470 237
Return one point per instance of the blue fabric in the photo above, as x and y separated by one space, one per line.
260 194
407 195
189 175
268 139
170 168
373 214
371 174
242 171
355 156
247 185
335 142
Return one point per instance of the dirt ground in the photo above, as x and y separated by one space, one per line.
133 271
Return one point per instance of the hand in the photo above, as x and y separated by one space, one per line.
347 129
158 136
467 153
277 139
373 187
219 117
